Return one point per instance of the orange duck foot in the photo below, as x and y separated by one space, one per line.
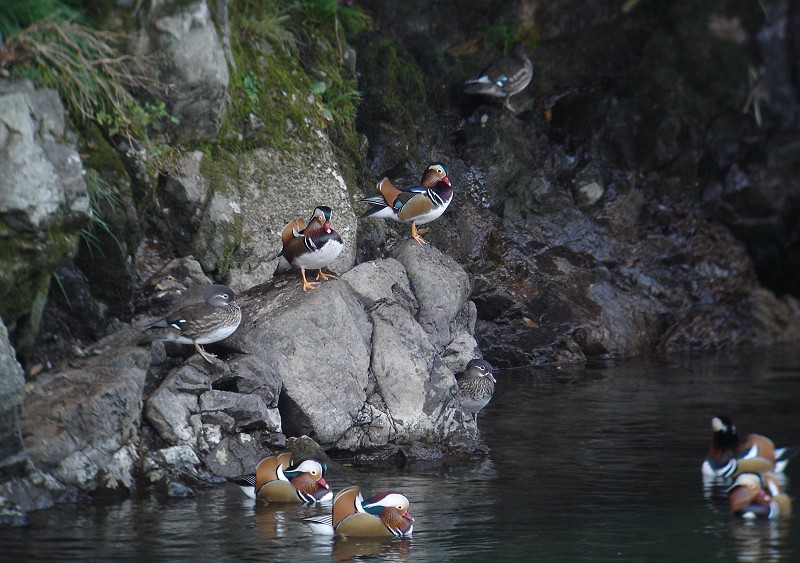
323 276
307 284
416 235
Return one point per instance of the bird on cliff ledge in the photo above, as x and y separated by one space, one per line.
310 247
417 205
475 386
504 77
215 318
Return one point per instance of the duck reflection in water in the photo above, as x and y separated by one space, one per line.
759 540
383 549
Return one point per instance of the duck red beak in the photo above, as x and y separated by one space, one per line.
327 227
408 516
446 180
322 483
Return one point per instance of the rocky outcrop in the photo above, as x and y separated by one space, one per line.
43 204
363 363
193 64
81 424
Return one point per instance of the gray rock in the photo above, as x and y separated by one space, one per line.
43 204
323 388
42 175
171 462
192 59
81 425
173 409
248 411
12 394
355 379
440 285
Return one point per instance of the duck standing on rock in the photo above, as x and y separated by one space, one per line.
475 386
417 205
215 318
310 247
504 77
384 515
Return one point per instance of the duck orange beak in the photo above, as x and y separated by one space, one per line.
322 483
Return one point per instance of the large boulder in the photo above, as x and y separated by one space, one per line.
192 62
363 363
81 424
44 204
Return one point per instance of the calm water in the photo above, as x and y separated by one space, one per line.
595 464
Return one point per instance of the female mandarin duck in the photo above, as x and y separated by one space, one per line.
384 515
275 481
727 455
417 205
753 496
475 386
504 77
214 319
310 247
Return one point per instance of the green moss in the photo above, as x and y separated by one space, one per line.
26 265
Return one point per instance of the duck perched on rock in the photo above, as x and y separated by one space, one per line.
417 205
384 515
213 319
504 77
310 247
758 496
276 480
728 455
475 386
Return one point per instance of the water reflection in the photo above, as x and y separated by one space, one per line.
760 540
592 464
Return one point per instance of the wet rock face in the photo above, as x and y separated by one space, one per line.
609 221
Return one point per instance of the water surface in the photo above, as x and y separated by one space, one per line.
594 464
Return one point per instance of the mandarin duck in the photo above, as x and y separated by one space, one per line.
213 319
417 205
758 496
727 455
475 386
504 77
310 247
384 515
276 481
266 470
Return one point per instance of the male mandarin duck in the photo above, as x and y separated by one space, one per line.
384 515
417 205
213 319
753 496
504 77
276 481
310 247
269 469
727 455
475 386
